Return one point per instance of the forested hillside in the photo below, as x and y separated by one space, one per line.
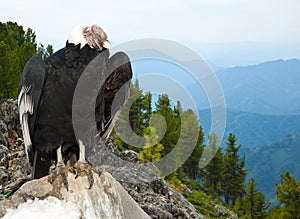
268 162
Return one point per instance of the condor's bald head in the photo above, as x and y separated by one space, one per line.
93 35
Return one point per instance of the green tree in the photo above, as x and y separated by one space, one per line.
12 34
30 37
172 122
135 115
214 169
25 52
288 194
277 212
234 172
136 94
8 67
16 47
152 150
44 52
191 166
140 110
185 146
254 204
146 109
129 119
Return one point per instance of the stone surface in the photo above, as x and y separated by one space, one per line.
106 199
151 192
222 211
14 168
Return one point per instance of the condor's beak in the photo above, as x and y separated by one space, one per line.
106 44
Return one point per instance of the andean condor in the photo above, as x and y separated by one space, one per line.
46 92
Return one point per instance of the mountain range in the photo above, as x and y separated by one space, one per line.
253 129
267 88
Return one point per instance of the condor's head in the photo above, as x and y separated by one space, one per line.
93 35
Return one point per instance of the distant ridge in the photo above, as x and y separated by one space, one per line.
253 129
268 88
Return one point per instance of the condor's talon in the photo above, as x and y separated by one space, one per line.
82 166
87 169
60 172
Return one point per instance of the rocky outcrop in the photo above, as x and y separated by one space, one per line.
155 196
10 128
106 199
14 168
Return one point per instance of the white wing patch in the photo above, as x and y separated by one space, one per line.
25 103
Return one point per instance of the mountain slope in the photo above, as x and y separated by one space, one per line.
252 129
265 164
267 88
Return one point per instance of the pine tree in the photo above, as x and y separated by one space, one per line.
254 204
214 169
146 109
134 116
8 69
136 98
183 140
234 172
288 194
44 52
152 150
191 166
172 122
16 48
12 35
188 139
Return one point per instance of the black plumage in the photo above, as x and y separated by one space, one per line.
46 93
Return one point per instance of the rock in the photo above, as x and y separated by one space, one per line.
14 167
155 196
130 155
10 128
186 189
222 211
106 199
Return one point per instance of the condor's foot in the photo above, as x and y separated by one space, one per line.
58 175
83 168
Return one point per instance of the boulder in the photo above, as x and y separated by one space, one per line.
106 199
157 198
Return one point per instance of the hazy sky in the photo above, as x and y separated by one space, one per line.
187 21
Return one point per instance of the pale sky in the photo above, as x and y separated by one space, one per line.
189 21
